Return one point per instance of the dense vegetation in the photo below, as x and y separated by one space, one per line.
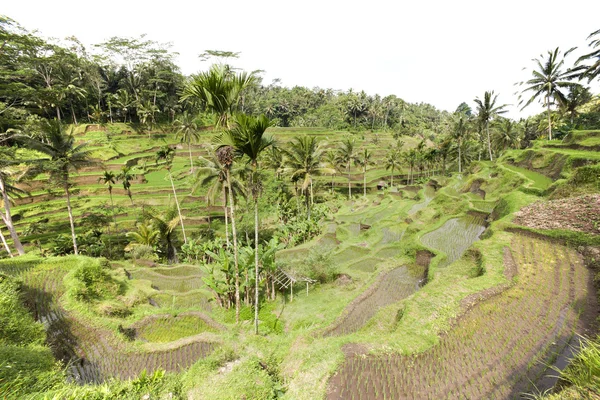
213 236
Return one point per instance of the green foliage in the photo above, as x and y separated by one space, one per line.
318 266
17 326
92 281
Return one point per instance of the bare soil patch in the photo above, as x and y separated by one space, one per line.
581 214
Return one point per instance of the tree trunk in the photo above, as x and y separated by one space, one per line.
226 217
73 114
191 161
487 129
256 264
549 119
349 185
7 218
459 157
71 218
365 181
5 244
112 204
392 177
178 209
235 249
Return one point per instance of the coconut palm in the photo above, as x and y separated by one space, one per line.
247 137
108 178
225 154
364 160
8 171
274 160
303 162
487 110
219 90
392 161
549 81
65 157
125 176
410 158
212 174
146 235
507 135
593 70
167 154
346 156
459 133
165 224
187 131
577 97
331 159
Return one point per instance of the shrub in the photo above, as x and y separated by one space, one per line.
92 282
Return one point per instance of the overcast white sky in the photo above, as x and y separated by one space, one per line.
441 52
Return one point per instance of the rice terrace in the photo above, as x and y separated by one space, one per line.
214 236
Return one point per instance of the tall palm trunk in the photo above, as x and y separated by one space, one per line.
235 249
5 244
191 160
177 204
70 211
392 177
7 218
226 217
349 185
459 157
112 204
549 120
256 264
487 129
365 181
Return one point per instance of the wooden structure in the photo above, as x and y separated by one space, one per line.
286 280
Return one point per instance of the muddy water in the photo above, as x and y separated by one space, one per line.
429 194
455 237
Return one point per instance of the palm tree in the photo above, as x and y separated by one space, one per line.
225 155
593 70
167 153
487 110
165 224
7 164
65 157
126 177
346 156
331 159
577 97
460 120
392 161
247 138
108 178
410 158
507 135
364 160
213 174
549 81
274 160
303 162
187 130
219 90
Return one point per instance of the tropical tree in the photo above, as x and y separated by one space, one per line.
331 158
225 155
247 137
108 178
487 110
410 158
187 131
274 160
549 81
363 161
219 90
165 224
392 161
304 162
577 97
65 157
593 70
459 133
346 156
167 154
8 163
125 176
507 135
212 174
146 235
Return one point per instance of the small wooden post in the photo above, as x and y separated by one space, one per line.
291 291
307 288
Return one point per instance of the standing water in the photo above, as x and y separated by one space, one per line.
455 236
428 193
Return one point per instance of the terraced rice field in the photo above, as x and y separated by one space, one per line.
455 237
391 287
93 352
497 348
